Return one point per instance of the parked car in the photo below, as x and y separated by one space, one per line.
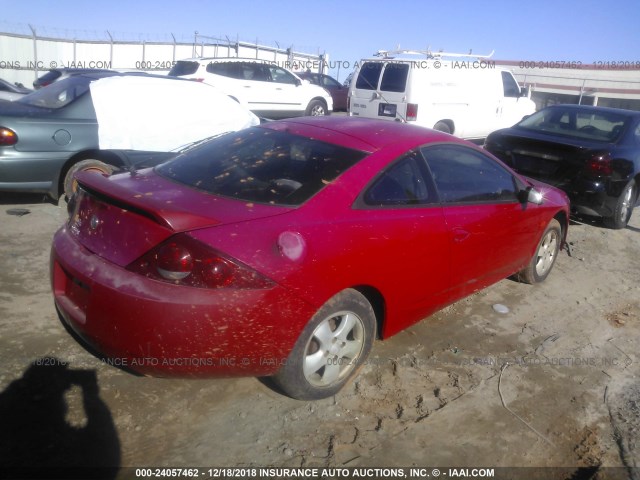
56 74
84 121
285 249
338 92
266 89
592 153
465 96
11 91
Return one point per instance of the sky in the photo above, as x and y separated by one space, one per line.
585 31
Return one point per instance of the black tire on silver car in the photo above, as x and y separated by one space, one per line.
91 165
316 108
624 207
545 256
330 349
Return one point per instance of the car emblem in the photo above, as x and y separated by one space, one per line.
94 222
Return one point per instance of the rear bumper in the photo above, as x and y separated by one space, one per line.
589 196
594 197
156 328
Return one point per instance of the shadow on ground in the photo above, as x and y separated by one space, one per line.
44 431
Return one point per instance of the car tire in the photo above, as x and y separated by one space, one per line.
624 207
330 349
545 256
316 108
442 127
91 165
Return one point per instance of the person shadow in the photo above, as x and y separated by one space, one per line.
37 438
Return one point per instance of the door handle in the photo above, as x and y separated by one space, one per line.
460 235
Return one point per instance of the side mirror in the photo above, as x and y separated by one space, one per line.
524 92
531 195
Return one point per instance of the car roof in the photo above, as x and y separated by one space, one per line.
228 59
361 133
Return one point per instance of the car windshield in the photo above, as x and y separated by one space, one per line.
261 165
58 94
584 124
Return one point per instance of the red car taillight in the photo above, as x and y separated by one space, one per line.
174 262
412 112
599 164
7 137
182 260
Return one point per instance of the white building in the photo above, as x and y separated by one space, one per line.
606 84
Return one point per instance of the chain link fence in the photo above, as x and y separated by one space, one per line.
28 51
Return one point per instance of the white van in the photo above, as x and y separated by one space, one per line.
465 97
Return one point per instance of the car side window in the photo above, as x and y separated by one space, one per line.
510 86
404 183
261 73
462 175
330 82
280 75
225 69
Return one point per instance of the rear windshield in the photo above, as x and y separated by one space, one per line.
394 78
58 94
183 67
261 165
576 123
49 77
369 75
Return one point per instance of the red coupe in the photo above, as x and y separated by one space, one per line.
285 249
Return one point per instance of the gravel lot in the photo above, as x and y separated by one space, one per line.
552 383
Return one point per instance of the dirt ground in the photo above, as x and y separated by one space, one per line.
552 383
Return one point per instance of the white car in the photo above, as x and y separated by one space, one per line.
266 89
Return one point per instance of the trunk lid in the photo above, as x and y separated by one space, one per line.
554 161
19 109
123 216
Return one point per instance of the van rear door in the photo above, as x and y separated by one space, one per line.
380 90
